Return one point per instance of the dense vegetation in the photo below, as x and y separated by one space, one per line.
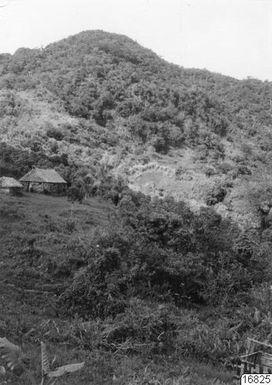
155 279
151 281
121 92
159 252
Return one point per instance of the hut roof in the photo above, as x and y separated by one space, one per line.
7 182
40 175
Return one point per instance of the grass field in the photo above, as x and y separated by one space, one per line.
42 239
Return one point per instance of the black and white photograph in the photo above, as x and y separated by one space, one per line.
135 192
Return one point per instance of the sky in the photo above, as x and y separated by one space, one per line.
232 37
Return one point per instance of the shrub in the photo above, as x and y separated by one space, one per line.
225 167
54 133
70 225
243 170
160 144
54 147
179 171
143 327
209 171
216 194
247 149
75 193
205 341
97 289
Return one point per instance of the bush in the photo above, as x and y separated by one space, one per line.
243 170
75 193
70 225
225 167
96 290
160 144
209 171
214 341
179 171
216 194
54 133
143 328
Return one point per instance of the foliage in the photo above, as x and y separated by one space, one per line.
161 251
154 278
15 361
74 193
102 79
54 133
216 193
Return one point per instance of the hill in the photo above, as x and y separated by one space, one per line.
158 280
99 99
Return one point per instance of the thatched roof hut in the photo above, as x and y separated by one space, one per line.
40 175
46 180
10 185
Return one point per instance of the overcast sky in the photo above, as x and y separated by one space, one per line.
233 37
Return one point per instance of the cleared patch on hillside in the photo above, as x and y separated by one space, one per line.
185 177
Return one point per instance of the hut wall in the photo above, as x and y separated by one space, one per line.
4 190
50 188
36 187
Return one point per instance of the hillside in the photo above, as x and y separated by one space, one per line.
164 270
100 100
39 267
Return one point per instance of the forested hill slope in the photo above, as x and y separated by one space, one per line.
101 100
